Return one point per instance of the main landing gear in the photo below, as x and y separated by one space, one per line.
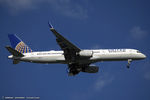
129 62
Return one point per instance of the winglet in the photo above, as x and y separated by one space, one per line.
50 25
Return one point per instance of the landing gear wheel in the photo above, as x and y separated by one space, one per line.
129 62
72 71
128 66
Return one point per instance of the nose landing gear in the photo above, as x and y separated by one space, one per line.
129 62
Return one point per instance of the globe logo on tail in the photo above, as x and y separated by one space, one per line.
22 48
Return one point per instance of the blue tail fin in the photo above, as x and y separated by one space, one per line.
18 44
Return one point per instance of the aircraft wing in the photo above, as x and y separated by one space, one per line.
70 50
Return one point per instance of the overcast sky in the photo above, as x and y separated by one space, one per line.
98 24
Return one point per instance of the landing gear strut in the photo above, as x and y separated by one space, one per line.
73 69
129 62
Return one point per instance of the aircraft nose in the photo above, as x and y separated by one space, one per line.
143 56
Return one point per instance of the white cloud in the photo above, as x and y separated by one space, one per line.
68 8
138 33
103 81
15 6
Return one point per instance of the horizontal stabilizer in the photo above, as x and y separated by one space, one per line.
14 52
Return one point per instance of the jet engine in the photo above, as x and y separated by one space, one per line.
91 69
85 53
74 69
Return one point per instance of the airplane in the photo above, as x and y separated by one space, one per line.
78 60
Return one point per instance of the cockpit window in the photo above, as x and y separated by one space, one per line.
138 51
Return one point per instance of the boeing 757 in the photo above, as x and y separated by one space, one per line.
78 60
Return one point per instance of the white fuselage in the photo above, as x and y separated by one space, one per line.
97 55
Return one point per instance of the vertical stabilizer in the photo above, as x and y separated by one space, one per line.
18 44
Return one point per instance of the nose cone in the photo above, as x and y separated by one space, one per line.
143 56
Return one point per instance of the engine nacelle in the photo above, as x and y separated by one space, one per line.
91 69
85 53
